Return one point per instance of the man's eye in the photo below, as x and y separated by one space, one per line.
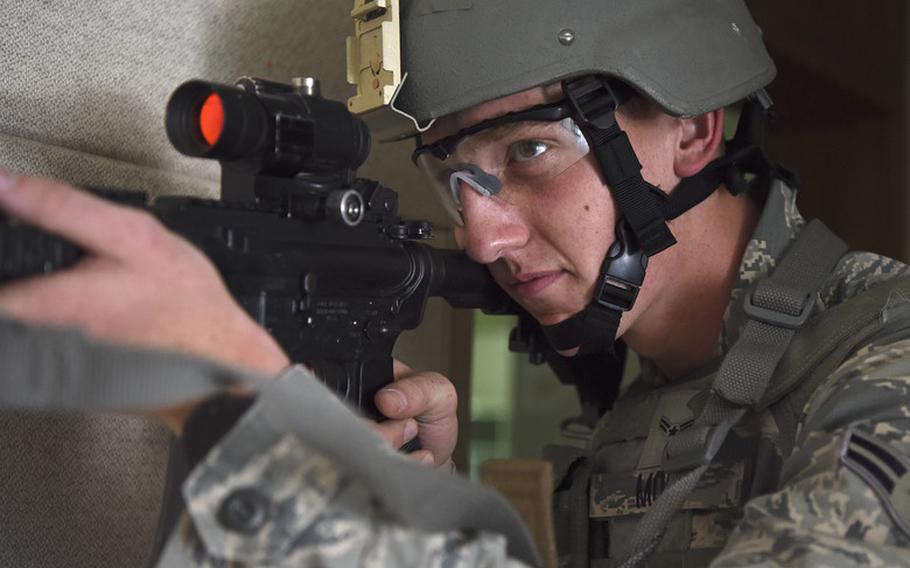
528 150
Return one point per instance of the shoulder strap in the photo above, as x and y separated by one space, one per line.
776 307
829 339
826 342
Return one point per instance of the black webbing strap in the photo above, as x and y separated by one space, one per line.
727 171
594 104
743 155
621 276
589 329
777 307
643 232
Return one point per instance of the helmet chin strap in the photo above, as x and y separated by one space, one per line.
594 328
642 232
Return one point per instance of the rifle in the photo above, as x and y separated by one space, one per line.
317 256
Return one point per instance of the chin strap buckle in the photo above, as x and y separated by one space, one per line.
623 272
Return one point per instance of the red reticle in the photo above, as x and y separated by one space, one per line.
211 119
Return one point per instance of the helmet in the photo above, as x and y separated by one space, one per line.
689 56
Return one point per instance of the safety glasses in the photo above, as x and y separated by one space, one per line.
504 156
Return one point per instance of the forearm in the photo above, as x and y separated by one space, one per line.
310 483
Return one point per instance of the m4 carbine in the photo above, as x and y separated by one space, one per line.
318 257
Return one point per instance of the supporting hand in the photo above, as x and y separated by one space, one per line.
138 284
422 404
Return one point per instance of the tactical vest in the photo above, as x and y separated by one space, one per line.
604 494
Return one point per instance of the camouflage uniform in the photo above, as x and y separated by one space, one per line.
770 499
836 495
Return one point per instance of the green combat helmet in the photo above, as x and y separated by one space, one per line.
687 56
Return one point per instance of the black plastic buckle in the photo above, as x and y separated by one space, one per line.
593 101
617 294
776 318
623 272
697 457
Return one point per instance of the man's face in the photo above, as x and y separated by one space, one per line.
545 246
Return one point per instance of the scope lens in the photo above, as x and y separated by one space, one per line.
211 119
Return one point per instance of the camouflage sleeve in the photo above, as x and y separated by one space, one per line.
845 489
265 497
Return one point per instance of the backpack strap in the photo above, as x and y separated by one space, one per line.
826 342
776 307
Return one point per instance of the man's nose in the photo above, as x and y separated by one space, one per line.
492 227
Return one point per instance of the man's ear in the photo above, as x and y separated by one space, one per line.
699 142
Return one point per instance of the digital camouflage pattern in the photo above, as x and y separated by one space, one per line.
824 513
806 508
711 530
313 514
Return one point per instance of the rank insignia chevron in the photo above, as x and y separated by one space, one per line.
887 473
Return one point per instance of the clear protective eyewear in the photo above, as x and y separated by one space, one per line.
503 156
